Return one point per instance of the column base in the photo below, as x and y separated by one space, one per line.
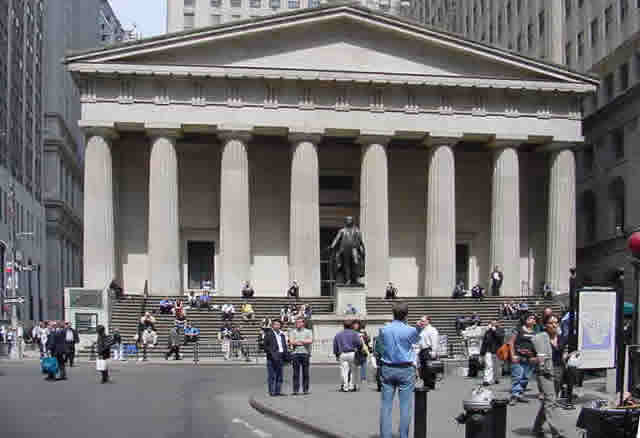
356 296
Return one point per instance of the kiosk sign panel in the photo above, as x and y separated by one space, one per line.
597 329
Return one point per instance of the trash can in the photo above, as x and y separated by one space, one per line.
634 370
484 416
599 421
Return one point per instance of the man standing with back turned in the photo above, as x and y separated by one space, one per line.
394 345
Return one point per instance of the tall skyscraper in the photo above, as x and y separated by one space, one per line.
189 14
21 160
71 25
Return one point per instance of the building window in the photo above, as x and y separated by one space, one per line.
519 6
608 86
541 24
580 3
294 4
200 262
580 45
215 3
274 4
255 4
624 76
616 195
594 33
567 53
314 3
189 3
589 215
216 19
509 13
519 42
236 3
236 17
587 159
608 20
624 9
617 142
530 35
567 8
189 20
500 24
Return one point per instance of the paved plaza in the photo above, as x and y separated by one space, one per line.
212 400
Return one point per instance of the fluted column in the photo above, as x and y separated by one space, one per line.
505 218
561 244
304 235
374 212
164 222
235 239
99 243
441 222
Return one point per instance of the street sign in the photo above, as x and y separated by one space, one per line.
16 300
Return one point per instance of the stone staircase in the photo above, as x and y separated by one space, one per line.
444 310
126 313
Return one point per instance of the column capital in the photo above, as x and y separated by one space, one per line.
443 138
167 130
504 143
296 137
369 139
243 136
100 128
557 146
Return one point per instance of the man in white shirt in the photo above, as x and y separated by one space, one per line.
428 343
227 312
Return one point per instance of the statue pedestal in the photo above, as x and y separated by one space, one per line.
354 295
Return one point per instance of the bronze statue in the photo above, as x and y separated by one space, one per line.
349 255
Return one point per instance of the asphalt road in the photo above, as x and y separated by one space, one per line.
143 401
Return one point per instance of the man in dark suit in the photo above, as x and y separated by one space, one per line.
495 280
275 347
57 346
71 339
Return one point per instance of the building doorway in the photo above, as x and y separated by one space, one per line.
200 262
462 264
327 279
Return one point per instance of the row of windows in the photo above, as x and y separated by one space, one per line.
614 208
24 220
595 29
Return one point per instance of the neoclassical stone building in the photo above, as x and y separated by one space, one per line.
233 153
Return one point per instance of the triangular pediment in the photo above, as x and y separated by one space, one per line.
337 39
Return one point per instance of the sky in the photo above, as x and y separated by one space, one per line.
149 16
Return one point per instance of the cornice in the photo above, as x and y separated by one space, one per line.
199 71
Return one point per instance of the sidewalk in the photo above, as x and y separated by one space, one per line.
332 414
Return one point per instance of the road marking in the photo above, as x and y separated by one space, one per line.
259 432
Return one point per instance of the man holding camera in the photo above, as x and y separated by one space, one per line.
429 342
492 341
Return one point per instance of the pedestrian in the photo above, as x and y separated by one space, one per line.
391 293
117 345
495 280
547 346
395 347
275 348
103 350
71 338
294 290
522 353
247 290
57 347
429 341
224 336
174 344
362 358
491 342
300 340
345 345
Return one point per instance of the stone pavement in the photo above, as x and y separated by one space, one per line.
332 414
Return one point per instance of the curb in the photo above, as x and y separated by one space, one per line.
296 422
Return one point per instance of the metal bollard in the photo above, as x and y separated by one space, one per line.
196 351
92 352
420 420
499 417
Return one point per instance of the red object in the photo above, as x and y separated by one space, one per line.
634 244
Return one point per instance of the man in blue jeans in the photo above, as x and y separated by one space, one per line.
395 348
